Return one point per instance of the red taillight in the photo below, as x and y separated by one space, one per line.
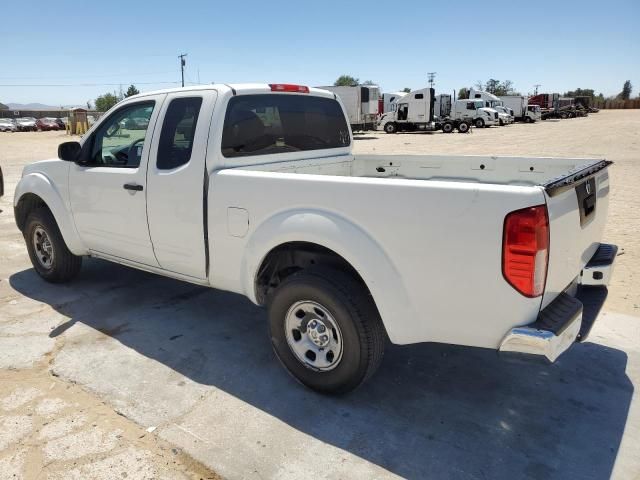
525 250
288 87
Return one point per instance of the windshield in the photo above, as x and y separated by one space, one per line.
267 123
496 103
478 104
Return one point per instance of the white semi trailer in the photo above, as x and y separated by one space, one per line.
361 104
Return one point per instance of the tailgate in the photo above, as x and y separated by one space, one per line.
577 203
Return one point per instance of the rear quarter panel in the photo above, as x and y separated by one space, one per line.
430 252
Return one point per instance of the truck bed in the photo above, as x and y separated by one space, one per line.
438 223
516 171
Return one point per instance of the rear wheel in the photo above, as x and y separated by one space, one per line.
447 127
479 122
463 127
49 254
326 330
390 127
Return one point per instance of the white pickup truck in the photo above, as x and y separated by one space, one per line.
254 189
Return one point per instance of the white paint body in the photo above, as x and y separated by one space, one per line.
424 232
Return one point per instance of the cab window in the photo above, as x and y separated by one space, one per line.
119 141
264 124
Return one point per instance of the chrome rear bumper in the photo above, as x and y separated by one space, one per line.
567 318
555 330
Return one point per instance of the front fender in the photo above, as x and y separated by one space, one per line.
39 184
347 240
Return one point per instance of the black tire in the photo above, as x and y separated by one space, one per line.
447 127
351 307
501 122
479 122
463 127
63 265
527 120
390 127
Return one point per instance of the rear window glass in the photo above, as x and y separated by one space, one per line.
279 123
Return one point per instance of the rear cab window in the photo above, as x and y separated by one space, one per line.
263 124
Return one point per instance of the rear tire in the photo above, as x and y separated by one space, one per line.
48 252
390 127
463 127
479 122
321 305
447 127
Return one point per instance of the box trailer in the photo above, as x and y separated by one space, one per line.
361 104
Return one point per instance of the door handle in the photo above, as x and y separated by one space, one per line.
133 186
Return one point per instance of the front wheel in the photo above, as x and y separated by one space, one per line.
48 252
390 127
326 330
479 122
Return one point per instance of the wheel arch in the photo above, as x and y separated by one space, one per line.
298 238
36 191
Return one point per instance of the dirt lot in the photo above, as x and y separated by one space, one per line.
123 374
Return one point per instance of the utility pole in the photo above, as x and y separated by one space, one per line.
182 64
430 77
536 88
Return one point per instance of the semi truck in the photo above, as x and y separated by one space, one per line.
254 189
361 104
416 112
522 110
492 101
475 111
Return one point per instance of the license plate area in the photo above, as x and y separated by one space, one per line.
587 198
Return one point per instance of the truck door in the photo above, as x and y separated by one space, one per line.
107 189
177 179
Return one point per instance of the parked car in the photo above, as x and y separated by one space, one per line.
26 124
8 125
264 197
58 121
46 124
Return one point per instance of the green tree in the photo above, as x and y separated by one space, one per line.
463 93
105 102
346 81
626 91
132 90
580 92
368 82
406 90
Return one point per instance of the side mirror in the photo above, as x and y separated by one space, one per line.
69 151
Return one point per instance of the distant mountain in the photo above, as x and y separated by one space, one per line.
36 106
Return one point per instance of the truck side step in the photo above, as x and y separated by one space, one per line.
592 299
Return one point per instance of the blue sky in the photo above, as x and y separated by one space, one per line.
559 44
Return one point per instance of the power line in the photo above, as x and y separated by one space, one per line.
431 77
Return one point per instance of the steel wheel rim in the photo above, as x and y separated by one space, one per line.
42 247
313 336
